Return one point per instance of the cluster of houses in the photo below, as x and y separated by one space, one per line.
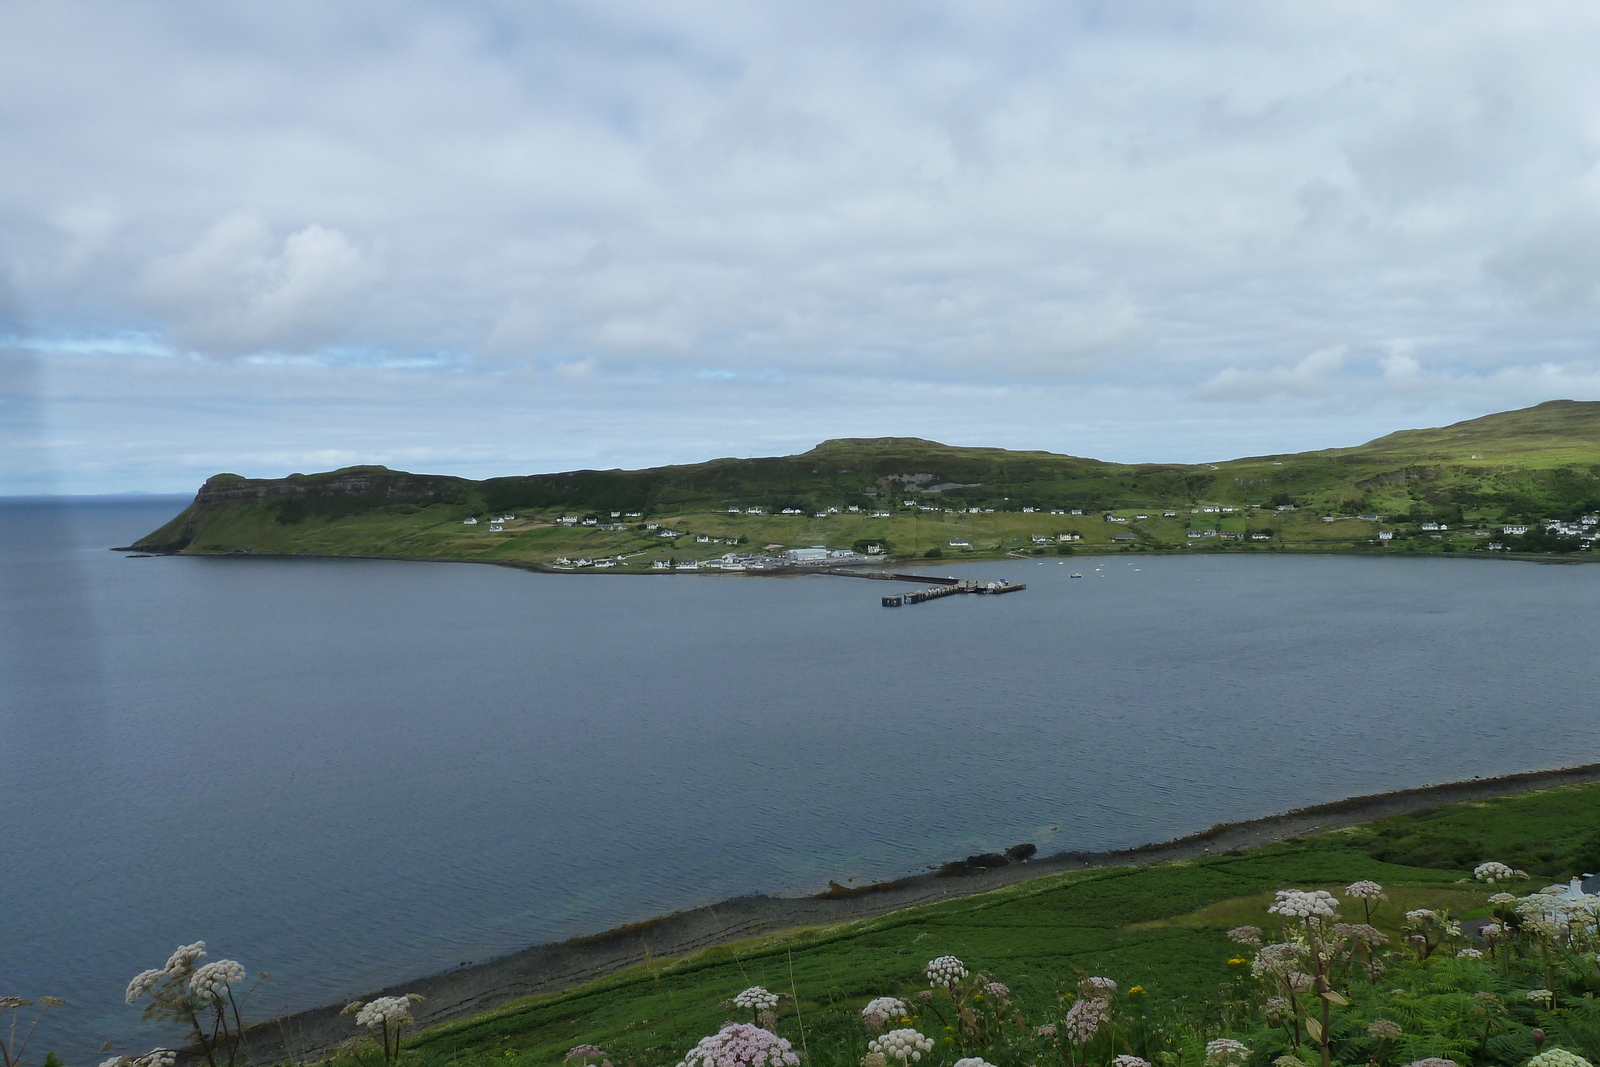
1586 530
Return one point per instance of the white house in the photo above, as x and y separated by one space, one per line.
816 554
960 543
733 511
469 522
1069 537
702 539
853 509
495 527
1058 511
688 565
880 514
660 565
1027 511
1040 539
1513 531
1077 511
874 550
1385 535
1259 536
1169 514
755 511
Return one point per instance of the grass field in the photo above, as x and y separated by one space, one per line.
1159 928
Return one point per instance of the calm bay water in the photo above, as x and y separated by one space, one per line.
352 773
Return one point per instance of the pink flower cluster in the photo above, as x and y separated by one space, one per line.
741 1045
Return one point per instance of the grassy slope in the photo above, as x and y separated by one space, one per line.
1520 465
1159 927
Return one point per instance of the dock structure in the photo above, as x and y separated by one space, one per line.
951 587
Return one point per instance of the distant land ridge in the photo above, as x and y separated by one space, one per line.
910 496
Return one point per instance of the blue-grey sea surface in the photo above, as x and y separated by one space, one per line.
349 773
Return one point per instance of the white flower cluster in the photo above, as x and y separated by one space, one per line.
1246 935
156 1057
1276 959
1225 1050
182 960
1126 1060
1098 988
385 1011
1365 890
756 999
1502 898
1384 1029
1492 872
904 1045
142 983
1432 1061
1470 954
885 1008
213 979
1305 904
1558 1057
973 1061
998 990
1541 996
945 971
1422 916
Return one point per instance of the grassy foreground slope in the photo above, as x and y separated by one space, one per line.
914 496
1161 929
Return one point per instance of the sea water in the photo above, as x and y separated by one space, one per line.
349 773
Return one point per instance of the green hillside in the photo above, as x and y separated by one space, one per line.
914 496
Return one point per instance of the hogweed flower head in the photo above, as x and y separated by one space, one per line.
142 983
1085 1018
214 979
1432 1061
1126 1060
1384 1030
998 990
183 958
1541 996
883 1008
1499 899
1422 916
741 1045
1558 1057
385 1011
973 1061
1047 1030
1365 890
1246 935
1470 954
1299 982
1305 904
1370 935
1492 872
874 1059
1277 1009
756 999
1098 988
1225 1050
945 971
584 1053
905 1045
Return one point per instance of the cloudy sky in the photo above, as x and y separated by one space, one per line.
495 237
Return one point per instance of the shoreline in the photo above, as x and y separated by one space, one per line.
554 967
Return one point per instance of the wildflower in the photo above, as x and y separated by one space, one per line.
1492 932
1225 1050
1558 1057
925 995
1492 872
1047 1030
874 1059
1305 904
1246 935
1085 1018
1365 890
882 1008
1275 959
1129 1061
1470 954
1238 961
757 999
998 990
1300 982
1384 1030
1277 1009
973 1061
383 1012
1361 932
906 1045
142 983
584 1053
181 962
1136 991
1432 1061
945 971
1422 916
1541 996
214 978
1485 998
1503 898
1098 988
741 1045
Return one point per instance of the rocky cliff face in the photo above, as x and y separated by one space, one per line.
340 492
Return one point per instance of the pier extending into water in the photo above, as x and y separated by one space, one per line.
951 587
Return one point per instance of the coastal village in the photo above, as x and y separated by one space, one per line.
757 538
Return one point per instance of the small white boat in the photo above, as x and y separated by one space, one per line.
1075 574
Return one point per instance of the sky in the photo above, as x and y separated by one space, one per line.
487 238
